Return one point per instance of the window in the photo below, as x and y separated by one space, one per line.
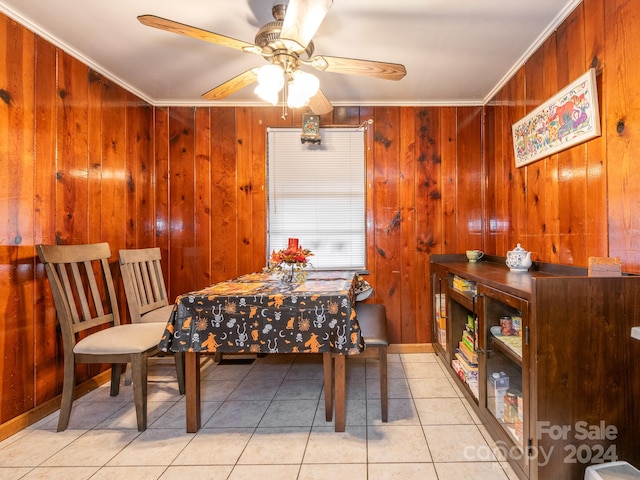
316 193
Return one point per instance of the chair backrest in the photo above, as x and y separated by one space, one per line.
82 287
143 281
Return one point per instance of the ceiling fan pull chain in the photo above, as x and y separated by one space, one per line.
285 94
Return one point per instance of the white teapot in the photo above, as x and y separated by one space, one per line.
518 259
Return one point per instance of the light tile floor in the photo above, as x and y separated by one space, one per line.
266 421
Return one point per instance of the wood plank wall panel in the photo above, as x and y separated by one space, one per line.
468 163
257 187
491 147
108 174
500 167
550 225
161 187
48 377
622 128
572 180
448 140
203 197
182 253
16 211
244 259
519 214
140 171
428 218
408 235
72 169
596 201
224 195
540 85
388 219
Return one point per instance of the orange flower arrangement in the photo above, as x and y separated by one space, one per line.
289 263
291 255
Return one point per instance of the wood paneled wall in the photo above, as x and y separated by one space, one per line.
211 199
76 166
83 160
583 201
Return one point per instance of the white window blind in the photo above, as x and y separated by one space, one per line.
316 193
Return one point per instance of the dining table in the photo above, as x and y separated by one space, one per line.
260 313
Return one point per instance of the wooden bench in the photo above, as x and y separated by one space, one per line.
372 319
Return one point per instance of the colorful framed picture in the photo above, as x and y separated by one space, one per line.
566 119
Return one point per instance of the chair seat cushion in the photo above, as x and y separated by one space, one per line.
372 319
132 338
161 314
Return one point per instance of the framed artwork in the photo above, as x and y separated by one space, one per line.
566 119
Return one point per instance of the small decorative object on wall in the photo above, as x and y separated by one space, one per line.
310 129
567 119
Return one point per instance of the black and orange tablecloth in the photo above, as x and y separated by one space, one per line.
260 313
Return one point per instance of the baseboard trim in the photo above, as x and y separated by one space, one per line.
410 348
36 414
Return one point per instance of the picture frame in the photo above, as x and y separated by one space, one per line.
568 118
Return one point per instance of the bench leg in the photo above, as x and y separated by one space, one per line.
384 395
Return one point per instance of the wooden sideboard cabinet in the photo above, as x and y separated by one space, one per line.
545 358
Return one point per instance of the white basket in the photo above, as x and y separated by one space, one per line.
612 471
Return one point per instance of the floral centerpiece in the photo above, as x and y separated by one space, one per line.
290 263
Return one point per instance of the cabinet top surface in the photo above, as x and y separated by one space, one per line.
492 271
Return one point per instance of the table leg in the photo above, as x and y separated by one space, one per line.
192 393
327 363
340 377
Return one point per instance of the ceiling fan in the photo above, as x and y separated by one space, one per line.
286 43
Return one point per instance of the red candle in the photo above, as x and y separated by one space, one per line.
293 243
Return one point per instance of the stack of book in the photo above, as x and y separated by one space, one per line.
463 285
467 349
466 361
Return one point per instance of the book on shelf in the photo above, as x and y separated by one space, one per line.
471 323
470 369
462 285
468 353
468 339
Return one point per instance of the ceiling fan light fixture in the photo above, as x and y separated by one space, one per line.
270 82
267 94
302 87
271 76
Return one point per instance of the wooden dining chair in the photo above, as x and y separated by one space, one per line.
146 293
144 285
87 308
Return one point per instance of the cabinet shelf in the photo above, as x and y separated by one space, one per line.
510 346
463 298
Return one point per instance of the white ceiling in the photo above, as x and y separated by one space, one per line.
457 52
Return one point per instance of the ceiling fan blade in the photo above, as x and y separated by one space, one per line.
301 22
319 104
231 86
189 31
352 66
